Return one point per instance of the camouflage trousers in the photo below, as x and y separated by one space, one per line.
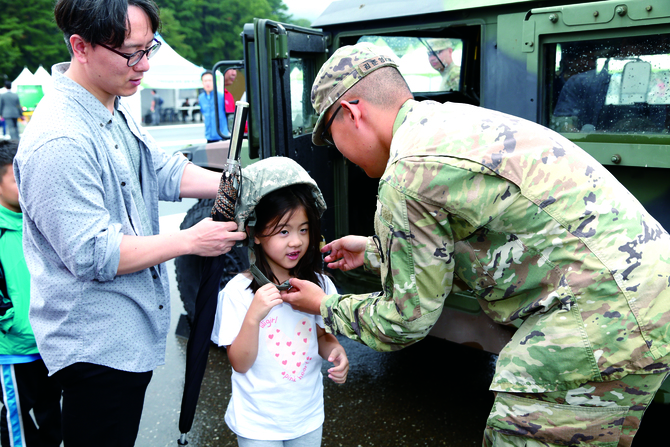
602 414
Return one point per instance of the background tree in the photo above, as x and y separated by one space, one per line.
207 31
202 31
29 37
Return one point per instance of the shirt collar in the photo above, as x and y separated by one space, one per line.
399 120
402 113
78 93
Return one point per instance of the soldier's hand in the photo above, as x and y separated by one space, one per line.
210 238
304 296
346 253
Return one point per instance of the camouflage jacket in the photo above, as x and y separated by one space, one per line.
537 229
451 78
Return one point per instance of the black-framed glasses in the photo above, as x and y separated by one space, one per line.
325 135
134 58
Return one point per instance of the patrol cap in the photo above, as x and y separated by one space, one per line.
343 70
439 44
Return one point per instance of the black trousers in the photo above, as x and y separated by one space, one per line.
102 406
26 387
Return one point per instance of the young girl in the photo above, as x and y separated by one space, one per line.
276 351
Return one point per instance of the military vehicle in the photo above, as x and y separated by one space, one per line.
598 72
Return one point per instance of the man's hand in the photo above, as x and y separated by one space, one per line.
338 357
346 253
304 296
206 238
210 238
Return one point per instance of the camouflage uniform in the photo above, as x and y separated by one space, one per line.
451 74
451 78
543 235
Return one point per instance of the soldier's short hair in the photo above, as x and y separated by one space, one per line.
438 45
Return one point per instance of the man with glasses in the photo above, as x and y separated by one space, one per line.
89 183
440 52
541 233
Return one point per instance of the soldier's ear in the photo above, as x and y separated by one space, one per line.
352 111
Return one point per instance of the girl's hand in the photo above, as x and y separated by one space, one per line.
338 357
265 299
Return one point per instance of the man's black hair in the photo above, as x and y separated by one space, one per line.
101 21
207 72
8 85
7 152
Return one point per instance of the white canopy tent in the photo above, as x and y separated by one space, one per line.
168 74
26 77
171 71
43 78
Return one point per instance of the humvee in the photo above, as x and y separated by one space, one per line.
598 72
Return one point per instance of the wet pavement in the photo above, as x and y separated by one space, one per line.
434 393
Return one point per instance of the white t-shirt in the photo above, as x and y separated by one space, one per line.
281 396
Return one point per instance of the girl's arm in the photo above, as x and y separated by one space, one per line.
244 349
330 349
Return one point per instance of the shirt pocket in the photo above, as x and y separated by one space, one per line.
556 424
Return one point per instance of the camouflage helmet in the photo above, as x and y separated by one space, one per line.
343 70
438 45
264 177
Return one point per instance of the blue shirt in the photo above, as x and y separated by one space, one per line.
77 205
206 101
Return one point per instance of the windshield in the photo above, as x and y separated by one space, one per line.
428 64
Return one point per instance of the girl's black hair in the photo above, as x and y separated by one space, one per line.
270 211
101 21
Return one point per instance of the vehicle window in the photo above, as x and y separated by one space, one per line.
619 85
428 64
303 116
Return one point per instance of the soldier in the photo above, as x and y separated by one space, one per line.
440 56
534 226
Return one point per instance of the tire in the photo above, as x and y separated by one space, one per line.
189 267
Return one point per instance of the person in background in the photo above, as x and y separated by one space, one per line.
228 80
26 385
540 232
156 107
440 52
208 111
196 111
11 111
184 113
90 180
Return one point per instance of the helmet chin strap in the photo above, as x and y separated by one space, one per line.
262 280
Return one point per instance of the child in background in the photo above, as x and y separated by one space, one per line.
26 386
276 351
